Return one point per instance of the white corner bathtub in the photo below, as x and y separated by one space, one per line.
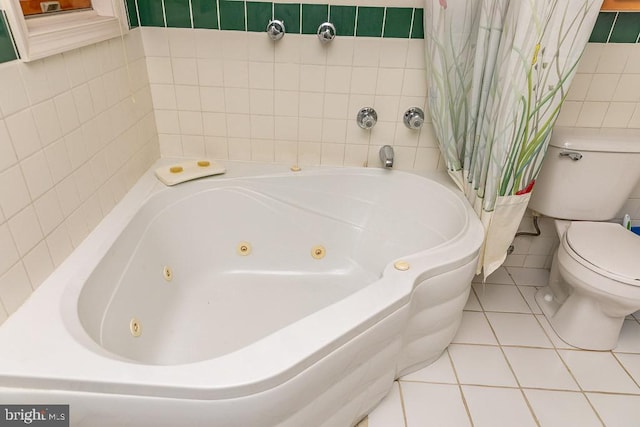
256 298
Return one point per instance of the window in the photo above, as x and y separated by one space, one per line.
47 34
32 8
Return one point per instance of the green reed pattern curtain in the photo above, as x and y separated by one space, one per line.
497 73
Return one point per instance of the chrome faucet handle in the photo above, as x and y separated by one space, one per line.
275 29
413 118
326 32
367 118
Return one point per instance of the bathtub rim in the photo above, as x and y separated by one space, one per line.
127 377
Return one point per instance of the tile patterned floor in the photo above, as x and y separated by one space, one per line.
506 367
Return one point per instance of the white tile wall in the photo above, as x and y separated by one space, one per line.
294 101
76 131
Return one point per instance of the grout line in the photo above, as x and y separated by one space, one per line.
625 370
164 14
137 13
191 13
593 408
613 24
413 15
404 411
218 14
355 24
526 401
524 396
464 399
564 363
244 5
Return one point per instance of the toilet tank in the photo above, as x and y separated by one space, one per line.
594 187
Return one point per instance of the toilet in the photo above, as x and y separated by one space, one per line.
585 179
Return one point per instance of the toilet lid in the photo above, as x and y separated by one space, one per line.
607 246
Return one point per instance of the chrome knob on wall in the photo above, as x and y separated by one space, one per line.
326 32
413 118
275 29
367 118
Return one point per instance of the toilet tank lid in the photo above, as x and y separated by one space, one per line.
608 246
613 140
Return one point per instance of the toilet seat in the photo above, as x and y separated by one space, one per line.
606 248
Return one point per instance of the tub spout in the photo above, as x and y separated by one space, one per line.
386 156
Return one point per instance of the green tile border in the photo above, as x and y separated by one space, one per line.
626 29
132 13
312 16
370 21
177 13
205 14
349 20
150 13
602 27
359 21
344 19
616 27
7 50
232 15
289 13
258 15
397 22
417 27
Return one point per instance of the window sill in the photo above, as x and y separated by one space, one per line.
44 36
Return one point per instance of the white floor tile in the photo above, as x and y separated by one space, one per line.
539 368
497 407
630 362
500 276
437 405
501 298
617 410
481 365
551 334
529 294
629 340
472 302
550 378
389 412
529 276
518 329
562 409
598 371
439 371
474 329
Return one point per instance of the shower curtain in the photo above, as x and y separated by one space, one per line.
497 73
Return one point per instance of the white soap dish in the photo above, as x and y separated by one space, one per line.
188 170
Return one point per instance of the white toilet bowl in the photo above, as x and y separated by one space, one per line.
595 283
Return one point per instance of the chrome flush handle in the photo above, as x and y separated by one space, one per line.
573 155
